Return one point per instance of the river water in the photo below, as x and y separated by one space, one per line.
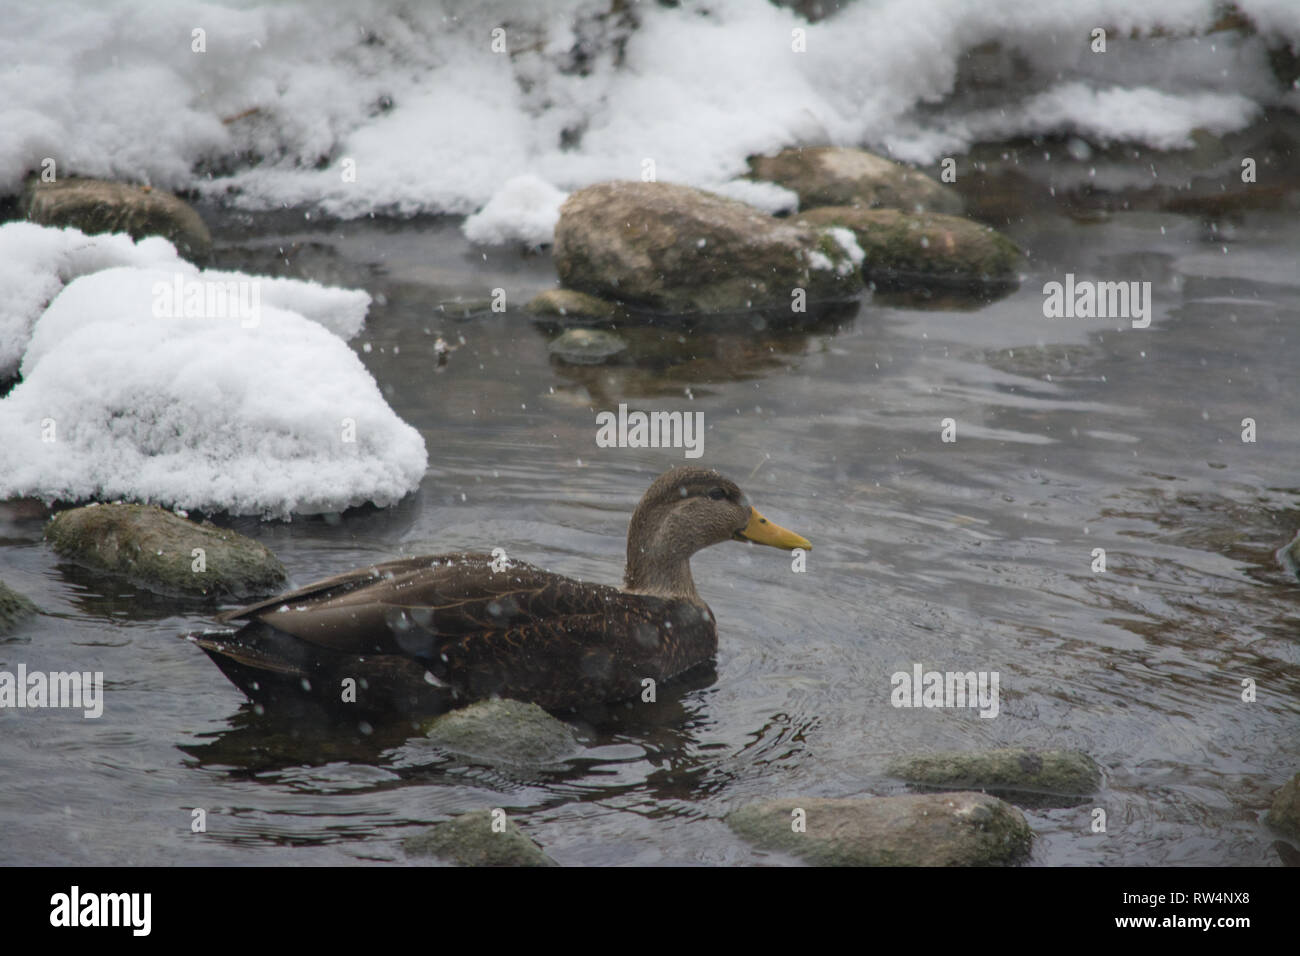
976 554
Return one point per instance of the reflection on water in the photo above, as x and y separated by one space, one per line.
1072 435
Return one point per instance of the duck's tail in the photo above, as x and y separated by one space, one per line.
268 665
226 647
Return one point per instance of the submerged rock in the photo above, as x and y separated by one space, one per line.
95 206
1035 778
469 840
465 308
949 829
1284 814
13 608
503 732
836 176
156 549
677 249
587 346
901 247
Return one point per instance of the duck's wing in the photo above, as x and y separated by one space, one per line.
518 632
340 584
418 606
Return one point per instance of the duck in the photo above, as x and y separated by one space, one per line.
424 635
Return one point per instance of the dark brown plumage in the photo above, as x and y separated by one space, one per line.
426 634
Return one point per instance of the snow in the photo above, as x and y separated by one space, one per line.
845 239
768 197
1146 115
342 311
36 263
268 414
525 209
384 106
849 243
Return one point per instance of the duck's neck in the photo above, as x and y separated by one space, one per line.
651 574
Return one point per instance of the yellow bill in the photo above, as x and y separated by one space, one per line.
761 531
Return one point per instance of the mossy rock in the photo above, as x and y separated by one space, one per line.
469 840
949 829
1046 778
14 608
508 732
95 206
571 304
839 176
154 549
1284 814
901 247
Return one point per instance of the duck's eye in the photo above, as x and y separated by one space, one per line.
717 494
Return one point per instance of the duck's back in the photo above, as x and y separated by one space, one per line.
428 633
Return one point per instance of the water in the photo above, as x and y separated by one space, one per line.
975 555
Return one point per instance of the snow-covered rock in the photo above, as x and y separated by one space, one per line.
132 389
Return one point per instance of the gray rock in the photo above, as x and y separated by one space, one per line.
13 608
567 303
835 176
948 829
507 732
587 346
1284 814
926 247
676 249
468 840
95 206
154 548
1043 778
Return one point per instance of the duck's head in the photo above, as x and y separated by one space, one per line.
685 510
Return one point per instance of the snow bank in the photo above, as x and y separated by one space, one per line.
126 394
389 106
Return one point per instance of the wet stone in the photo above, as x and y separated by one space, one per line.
14 608
567 303
471 840
838 176
902 247
1284 814
587 346
155 549
95 206
949 829
667 248
1046 778
504 732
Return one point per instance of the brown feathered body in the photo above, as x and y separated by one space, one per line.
429 633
